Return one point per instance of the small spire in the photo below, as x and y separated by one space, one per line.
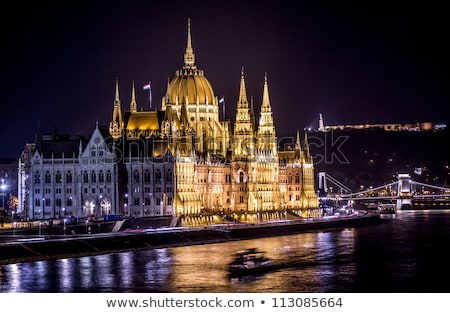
116 99
168 100
297 142
117 114
133 104
189 56
80 147
243 102
184 117
306 149
265 107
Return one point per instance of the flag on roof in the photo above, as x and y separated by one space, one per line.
147 86
222 100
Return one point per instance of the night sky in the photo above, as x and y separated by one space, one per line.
380 62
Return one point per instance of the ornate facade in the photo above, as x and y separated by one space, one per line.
218 166
180 161
65 177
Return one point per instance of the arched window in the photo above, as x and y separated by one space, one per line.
136 176
93 177
101 177
85 177
68 177
58 177
37 178
241 177
169 176
47 178
108 176
147 177
297 178
158 176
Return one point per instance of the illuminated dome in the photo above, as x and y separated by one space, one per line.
189 83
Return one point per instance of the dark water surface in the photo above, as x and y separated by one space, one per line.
408 252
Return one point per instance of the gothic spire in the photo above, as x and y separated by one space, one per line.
168 91
243 102
306 152
297 142
116 125
266 128
133 105
117 114
265 107
117 99
189 56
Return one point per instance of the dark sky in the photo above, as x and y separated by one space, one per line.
376 62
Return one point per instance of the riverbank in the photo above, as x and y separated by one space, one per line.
34 248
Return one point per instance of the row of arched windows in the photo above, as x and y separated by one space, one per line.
92 177
147 176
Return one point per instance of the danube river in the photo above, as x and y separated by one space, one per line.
408 252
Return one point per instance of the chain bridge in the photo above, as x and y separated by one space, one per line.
404 193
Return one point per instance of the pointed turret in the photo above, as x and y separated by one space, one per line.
297 142
167 105
168 96
266 129
265 107
243 128
133 105
306 154
117 114
116 125
189 56
298 148
242 103
80 148
243 124
184 117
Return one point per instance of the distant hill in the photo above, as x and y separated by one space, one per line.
374 157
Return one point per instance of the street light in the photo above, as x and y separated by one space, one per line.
3 187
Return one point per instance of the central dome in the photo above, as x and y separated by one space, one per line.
190 86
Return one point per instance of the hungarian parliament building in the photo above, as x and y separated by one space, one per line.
179 161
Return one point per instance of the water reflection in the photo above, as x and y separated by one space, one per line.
307 259
398 255
121 272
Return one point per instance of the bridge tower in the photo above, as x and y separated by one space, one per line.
404 192
323 188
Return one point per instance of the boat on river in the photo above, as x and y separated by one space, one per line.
386 208
250 262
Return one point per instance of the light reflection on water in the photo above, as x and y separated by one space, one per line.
307 259
398 255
